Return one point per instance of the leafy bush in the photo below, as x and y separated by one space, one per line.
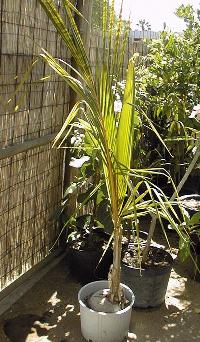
168 88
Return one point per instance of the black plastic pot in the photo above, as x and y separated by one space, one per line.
88 265
148 285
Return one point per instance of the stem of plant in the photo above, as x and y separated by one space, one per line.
115 271
179 187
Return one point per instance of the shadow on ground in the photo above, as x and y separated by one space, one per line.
48 312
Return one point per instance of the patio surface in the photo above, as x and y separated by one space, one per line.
50 312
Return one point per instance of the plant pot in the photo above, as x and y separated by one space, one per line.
148 285
100 326
86 265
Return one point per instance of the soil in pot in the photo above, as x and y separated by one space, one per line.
84 257
149 282
157 258
100 302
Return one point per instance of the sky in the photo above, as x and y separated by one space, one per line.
156 12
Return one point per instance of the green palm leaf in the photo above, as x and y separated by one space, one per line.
125 133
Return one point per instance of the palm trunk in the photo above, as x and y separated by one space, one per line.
115 270
114 276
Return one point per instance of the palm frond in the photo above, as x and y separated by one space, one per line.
125 131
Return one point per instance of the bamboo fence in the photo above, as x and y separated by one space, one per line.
30 178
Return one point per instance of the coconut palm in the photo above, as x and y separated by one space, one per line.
112 134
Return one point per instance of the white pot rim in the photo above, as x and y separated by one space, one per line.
103 313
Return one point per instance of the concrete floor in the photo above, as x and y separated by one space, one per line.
50 312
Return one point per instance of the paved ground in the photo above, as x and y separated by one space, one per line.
50 312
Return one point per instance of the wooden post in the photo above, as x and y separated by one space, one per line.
85 7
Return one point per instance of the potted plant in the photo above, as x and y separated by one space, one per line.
114 143
105 306
149 278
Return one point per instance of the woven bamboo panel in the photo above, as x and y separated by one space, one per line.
30 182
31 186
37 107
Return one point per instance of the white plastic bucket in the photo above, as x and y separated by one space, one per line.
100 326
